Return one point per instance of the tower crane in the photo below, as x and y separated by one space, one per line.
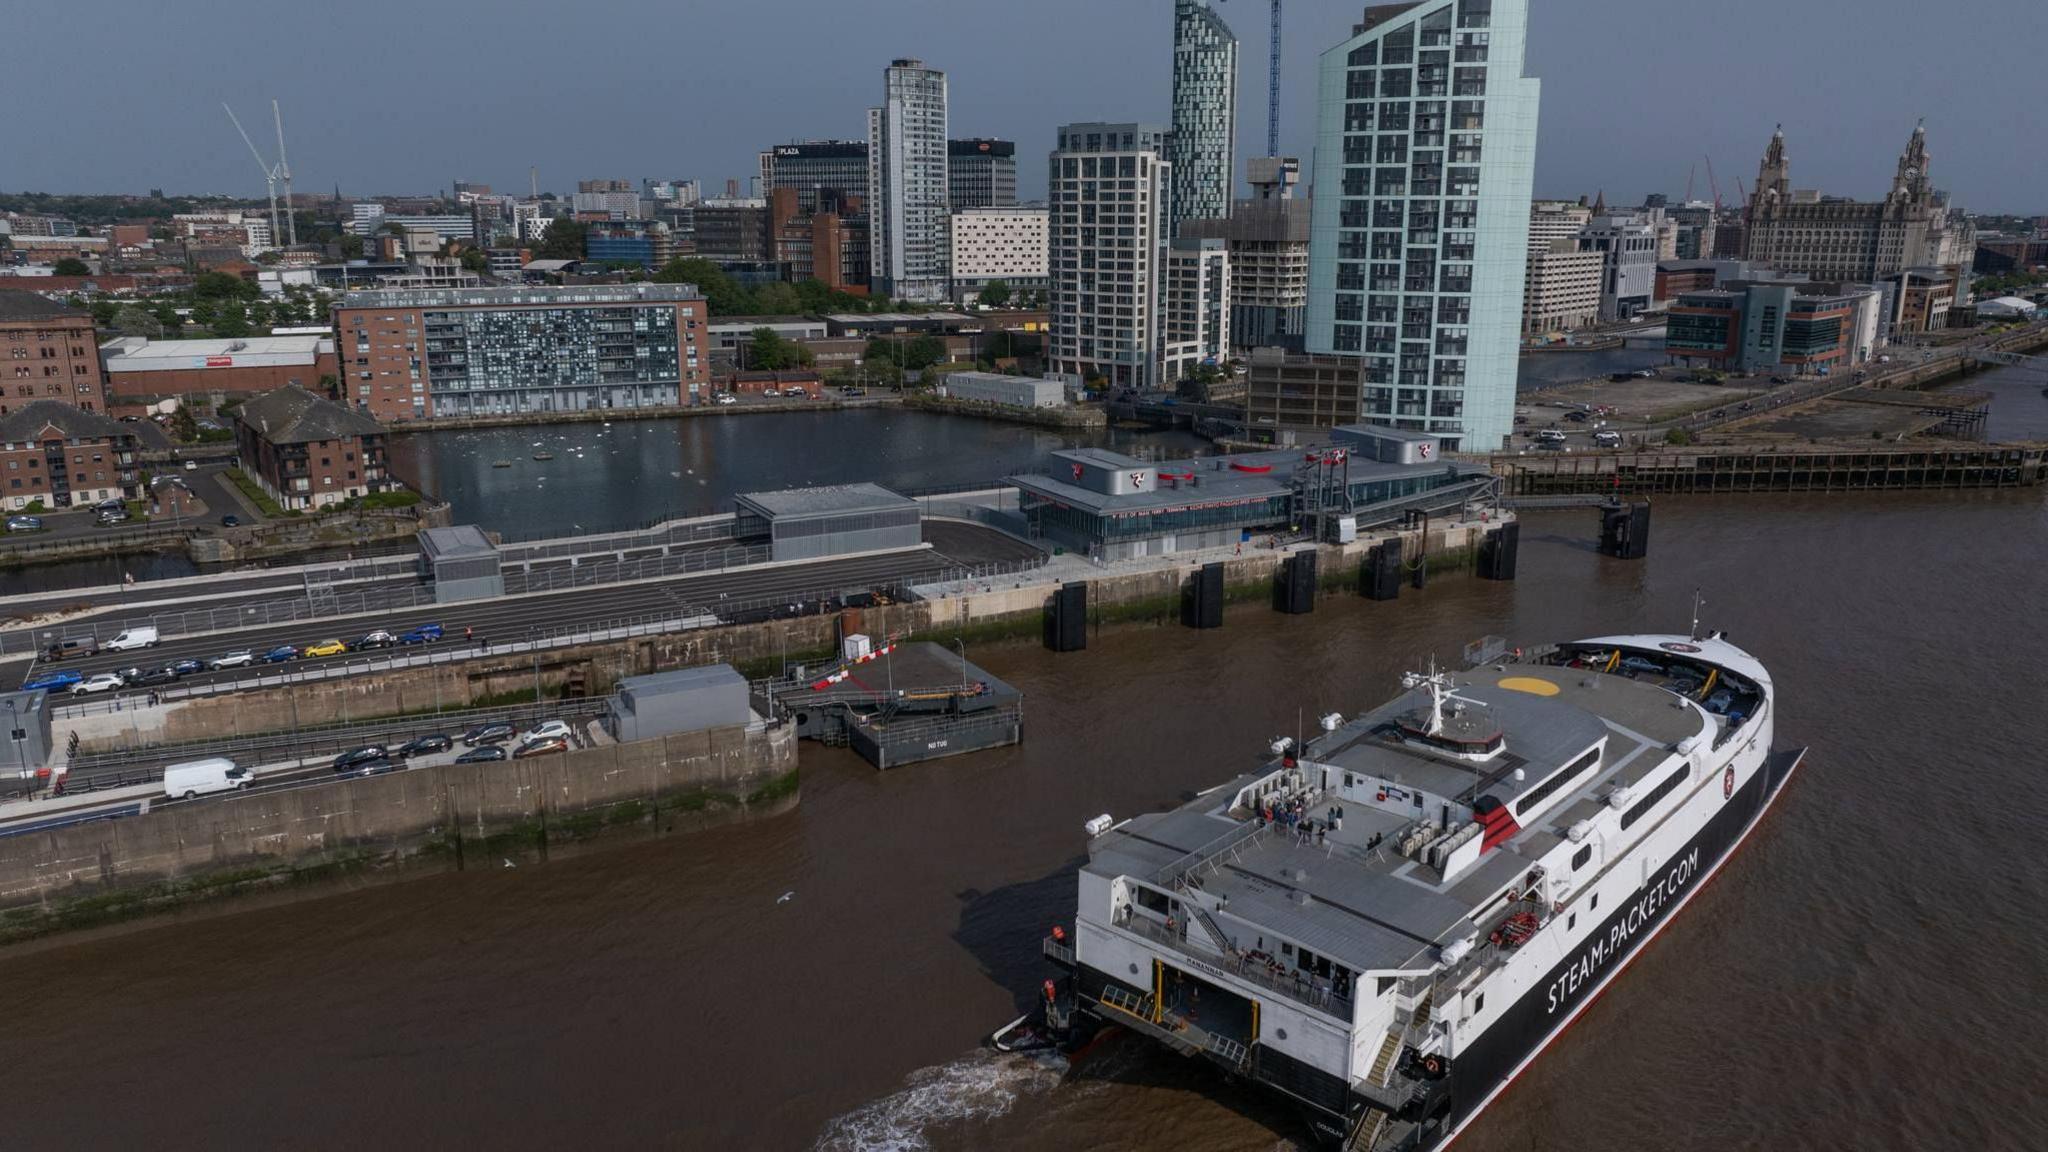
272 173
1273 85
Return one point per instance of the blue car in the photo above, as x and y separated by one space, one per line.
187 666
54 681
424 634
281 654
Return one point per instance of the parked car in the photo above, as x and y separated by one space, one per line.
541 747
372 768
191 465
728 398
546 730
1719 412
72 646
1744 406
187 666
198 777
104 682
24 523
1641 664
496 733
1781 379
1577 417
239 658
1550 436
480 755
1607 439
163 675
113 516
52 681
325 648
423 746
357 757
133 638
424 634
110 504
377 639
1720 701
231 521
280 654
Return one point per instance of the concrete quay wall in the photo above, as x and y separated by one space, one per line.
444 816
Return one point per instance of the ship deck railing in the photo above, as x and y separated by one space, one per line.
1317 993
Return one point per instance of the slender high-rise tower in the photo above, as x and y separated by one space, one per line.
1203 146
1418 243
908 184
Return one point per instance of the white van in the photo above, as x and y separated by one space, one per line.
199 777
133 638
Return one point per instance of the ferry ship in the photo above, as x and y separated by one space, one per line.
1388 922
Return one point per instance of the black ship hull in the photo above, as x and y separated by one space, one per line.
1514 1041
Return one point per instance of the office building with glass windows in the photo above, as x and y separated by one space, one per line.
1418 242
908 185
981 173
409 355
1203 146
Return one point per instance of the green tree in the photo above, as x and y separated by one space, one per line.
352 247
261 315
204 313
564 240
135 320
103 311
922 352
224 286
475 260
778 299
996 294
232 321
1678 436
71 266
166 315
726 296
770 352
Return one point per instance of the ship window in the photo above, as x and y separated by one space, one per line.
1151 900
1386 984
1596 900
1642 807
1580 857
1571 921
1286 949
1534 798
1479 1004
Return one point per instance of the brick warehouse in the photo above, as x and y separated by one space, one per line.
48 352
140 371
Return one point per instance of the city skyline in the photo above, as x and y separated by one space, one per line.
119 134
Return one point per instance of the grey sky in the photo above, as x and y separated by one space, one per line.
393 97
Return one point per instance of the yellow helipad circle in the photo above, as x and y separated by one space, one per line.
1529 684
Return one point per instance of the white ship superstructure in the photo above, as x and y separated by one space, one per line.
1390 920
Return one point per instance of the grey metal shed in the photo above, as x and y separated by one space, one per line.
808 523
684 700
25 748
461 563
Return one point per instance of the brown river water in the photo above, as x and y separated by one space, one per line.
1870 972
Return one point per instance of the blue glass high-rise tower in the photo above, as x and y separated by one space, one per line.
1424 169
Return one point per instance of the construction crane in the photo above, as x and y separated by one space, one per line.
284 167
1713 183
1273 86
272 173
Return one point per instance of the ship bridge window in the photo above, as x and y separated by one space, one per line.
1150 900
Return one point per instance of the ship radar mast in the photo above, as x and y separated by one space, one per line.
1441 689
